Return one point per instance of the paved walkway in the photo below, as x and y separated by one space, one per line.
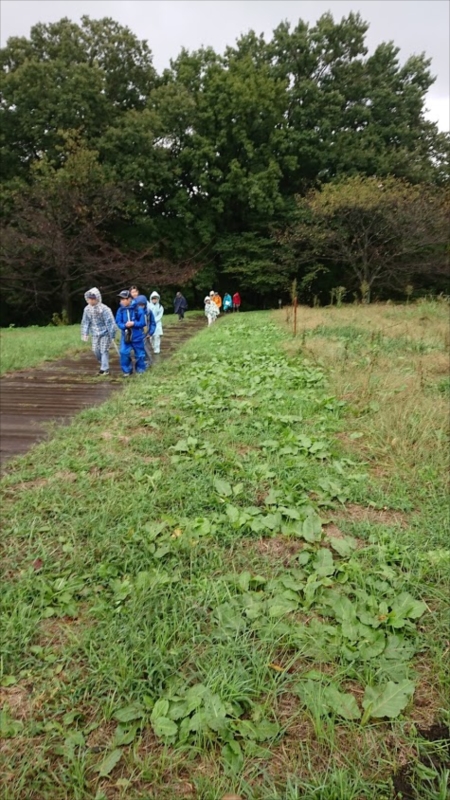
56 390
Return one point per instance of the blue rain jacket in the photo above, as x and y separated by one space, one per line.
134 314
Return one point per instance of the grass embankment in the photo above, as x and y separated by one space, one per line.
21 348
226 580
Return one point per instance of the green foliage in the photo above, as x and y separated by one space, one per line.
377 231
210 156
194 610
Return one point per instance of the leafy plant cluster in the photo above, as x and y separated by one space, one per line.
179 623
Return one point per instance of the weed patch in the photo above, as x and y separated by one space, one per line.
209 593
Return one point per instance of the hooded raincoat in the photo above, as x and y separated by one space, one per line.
158 313
98 322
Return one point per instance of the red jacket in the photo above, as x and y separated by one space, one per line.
237 299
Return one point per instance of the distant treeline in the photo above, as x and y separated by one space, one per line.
296 159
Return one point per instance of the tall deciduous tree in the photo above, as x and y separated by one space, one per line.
379 232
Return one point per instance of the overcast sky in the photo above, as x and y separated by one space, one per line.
415 26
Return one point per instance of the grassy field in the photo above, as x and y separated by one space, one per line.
21 348
232 578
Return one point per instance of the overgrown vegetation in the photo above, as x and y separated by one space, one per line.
231 578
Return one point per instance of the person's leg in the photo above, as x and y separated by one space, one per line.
104 362
156 343
148 351
96 349
125 358
139 353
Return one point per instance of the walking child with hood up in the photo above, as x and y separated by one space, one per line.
158 313
99 323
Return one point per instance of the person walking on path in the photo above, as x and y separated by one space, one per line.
216 298
98 322
236 301
150 325
227 303
180 305
158 313
211 310
131 321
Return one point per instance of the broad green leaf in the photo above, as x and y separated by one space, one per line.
405 606
160 709
233 756
181 446
388 700
124 736
373 643
232 513
312 528
323 563
223 488
128 713
344 547
272 521
194 696
266 730
164 727
108 763
343 704
280 606
398 648
244 581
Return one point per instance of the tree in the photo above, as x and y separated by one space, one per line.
68 76
57 241
377 231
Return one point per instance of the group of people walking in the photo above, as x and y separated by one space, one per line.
138 319
214 305
140 323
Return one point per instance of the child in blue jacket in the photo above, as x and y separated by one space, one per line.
131 321
150 325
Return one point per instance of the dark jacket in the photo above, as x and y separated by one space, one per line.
180 304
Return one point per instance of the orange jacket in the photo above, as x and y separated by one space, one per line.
217 300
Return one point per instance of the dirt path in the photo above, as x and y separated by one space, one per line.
56 390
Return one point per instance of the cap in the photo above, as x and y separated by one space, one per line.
91 296
124 295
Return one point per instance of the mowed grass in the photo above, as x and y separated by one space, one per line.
21 348
226 580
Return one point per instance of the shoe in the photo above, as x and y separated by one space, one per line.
104 372
125 374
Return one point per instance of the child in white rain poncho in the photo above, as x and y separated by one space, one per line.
158 312
99 323
211 311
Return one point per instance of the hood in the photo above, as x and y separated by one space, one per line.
154 294
141 300
95 292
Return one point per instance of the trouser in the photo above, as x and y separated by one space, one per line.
148 350
181 314
211 320
139 355
235 307
101 354
156 343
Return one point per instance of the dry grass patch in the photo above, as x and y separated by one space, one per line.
357 513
